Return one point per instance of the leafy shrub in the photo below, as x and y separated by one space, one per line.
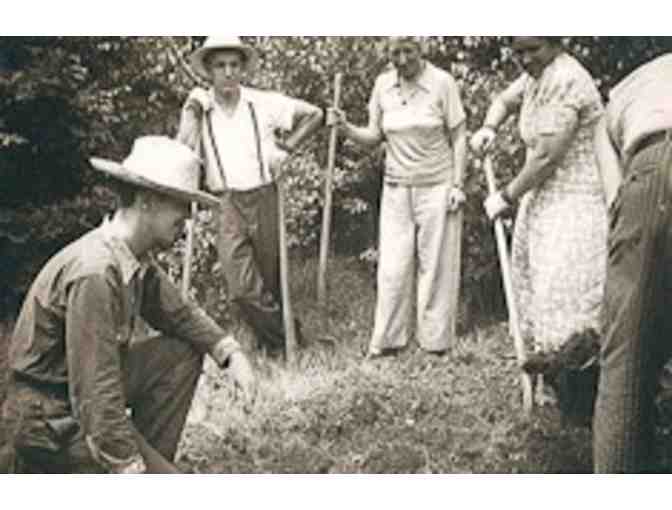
63 99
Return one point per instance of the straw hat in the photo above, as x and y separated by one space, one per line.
160 164
213 43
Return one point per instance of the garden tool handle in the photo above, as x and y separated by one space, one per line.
328 203
505 265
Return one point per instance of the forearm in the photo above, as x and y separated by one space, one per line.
165 310
543 159
538 168
459 143
307 124
497 113
608 162
368 136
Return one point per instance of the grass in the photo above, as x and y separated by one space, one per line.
414 413
337 413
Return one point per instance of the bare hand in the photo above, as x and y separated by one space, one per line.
199 99
277 158
243 374
456 198
335 118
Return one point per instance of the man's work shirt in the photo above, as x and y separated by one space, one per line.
640 106
78 320
418 127
239 150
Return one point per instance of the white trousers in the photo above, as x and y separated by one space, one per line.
419 260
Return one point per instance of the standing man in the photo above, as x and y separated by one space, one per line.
634 150
235 129
86 395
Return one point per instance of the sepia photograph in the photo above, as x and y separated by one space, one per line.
335 255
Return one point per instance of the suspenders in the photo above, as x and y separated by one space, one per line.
215 149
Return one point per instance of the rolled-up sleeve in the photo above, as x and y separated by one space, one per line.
453 110
165 310
94 339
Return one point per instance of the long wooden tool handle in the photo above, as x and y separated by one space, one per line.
188 252
503 252
287 313
326 216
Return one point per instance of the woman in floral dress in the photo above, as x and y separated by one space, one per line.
559 246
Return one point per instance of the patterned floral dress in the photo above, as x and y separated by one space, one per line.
559 245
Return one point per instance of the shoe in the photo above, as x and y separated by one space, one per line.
374 354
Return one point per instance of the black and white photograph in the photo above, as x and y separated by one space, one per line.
335 255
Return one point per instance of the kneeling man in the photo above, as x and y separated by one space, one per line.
86 395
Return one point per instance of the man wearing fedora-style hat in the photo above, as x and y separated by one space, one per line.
86 395
234 128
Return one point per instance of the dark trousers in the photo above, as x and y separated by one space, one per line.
638 340
161 377
248 245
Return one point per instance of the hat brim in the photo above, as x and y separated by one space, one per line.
197 58
117 171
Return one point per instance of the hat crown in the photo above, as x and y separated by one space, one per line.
223 41
164 161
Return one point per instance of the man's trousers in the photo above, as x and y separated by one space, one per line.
639 315
248 245
160 376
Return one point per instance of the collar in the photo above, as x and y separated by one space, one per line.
128 262
245 96
423 81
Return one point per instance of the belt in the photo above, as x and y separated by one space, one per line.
649 140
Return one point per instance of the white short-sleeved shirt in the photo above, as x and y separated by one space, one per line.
417 129
235 138
641 105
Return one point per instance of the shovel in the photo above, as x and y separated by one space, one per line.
505 265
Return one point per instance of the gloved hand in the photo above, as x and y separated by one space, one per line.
482 140
456 198
495 205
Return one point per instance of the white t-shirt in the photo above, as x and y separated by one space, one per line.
236 140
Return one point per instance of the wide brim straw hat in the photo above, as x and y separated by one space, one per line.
215 43
163 165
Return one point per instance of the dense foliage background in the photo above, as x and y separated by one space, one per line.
63 99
